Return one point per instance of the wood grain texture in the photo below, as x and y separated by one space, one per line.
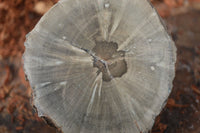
68 88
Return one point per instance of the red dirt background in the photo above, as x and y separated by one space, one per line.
182 112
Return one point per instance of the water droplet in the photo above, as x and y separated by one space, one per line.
152 68
107 5
64 37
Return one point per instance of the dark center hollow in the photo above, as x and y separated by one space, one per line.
109 61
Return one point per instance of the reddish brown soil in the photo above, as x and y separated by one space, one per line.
182 112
